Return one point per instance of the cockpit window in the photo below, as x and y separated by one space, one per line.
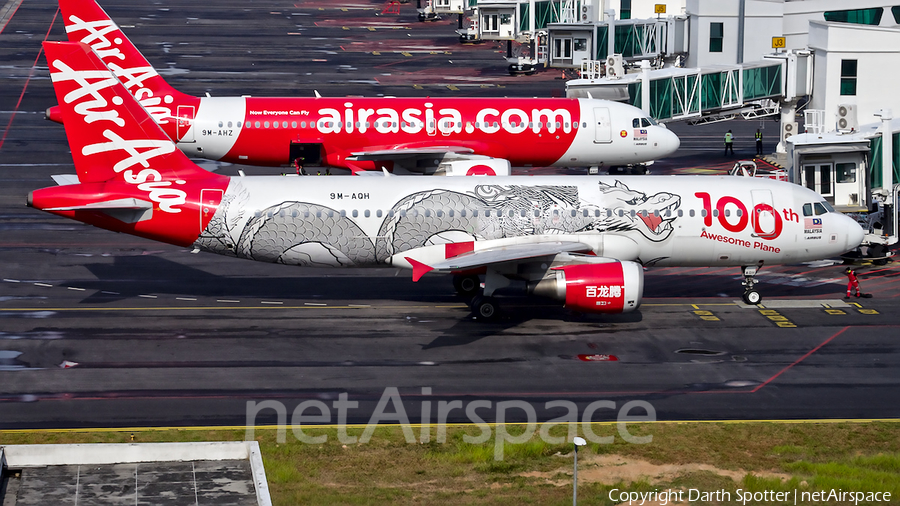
645 122
820 209
817 208
636 122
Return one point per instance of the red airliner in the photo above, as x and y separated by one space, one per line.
419 135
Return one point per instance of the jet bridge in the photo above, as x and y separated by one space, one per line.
721 91
709 94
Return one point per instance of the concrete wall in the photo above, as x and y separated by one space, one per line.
797 16
18 456
643 9
762 21
877 52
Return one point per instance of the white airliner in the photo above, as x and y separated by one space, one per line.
580 239
480 136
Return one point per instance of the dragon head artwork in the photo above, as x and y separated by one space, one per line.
651 215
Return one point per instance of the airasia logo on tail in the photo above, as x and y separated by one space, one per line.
88 102
91 110
133 78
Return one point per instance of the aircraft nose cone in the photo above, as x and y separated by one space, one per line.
671 142
855 233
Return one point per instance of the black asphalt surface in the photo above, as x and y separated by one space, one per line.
99 329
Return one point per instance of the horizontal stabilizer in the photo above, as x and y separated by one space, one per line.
65 179
127 210
129 204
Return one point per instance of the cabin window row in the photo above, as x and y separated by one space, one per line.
488 213
391 124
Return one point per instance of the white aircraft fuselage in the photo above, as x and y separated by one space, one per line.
653 220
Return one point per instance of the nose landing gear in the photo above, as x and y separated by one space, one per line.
751 295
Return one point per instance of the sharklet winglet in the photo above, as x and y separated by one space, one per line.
419 269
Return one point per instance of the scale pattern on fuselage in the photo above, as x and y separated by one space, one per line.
309 234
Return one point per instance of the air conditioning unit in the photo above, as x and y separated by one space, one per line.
587 12
615 68
788 130
846 118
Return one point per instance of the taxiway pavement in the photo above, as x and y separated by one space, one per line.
154 335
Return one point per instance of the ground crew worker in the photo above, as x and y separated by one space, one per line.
853 281
729 143
758 142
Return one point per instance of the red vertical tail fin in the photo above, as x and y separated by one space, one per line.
87 22
111 135
131 176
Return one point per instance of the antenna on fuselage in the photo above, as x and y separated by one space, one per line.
317 93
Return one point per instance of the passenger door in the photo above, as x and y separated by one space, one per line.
602 126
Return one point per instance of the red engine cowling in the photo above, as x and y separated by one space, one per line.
612 287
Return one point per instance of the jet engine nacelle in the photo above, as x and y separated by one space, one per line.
478 167
611 287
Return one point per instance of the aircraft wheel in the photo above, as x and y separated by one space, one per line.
466 286
751 297
485 307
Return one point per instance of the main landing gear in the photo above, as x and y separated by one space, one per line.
485 307
469 287
751 295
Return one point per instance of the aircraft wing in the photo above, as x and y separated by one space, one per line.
497 255
451 160
405 152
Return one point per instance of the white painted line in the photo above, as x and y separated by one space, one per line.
110 293
226 300
185 298
148 296
271 302
359 305
794 304
42 284
11 280
314 304
76 288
